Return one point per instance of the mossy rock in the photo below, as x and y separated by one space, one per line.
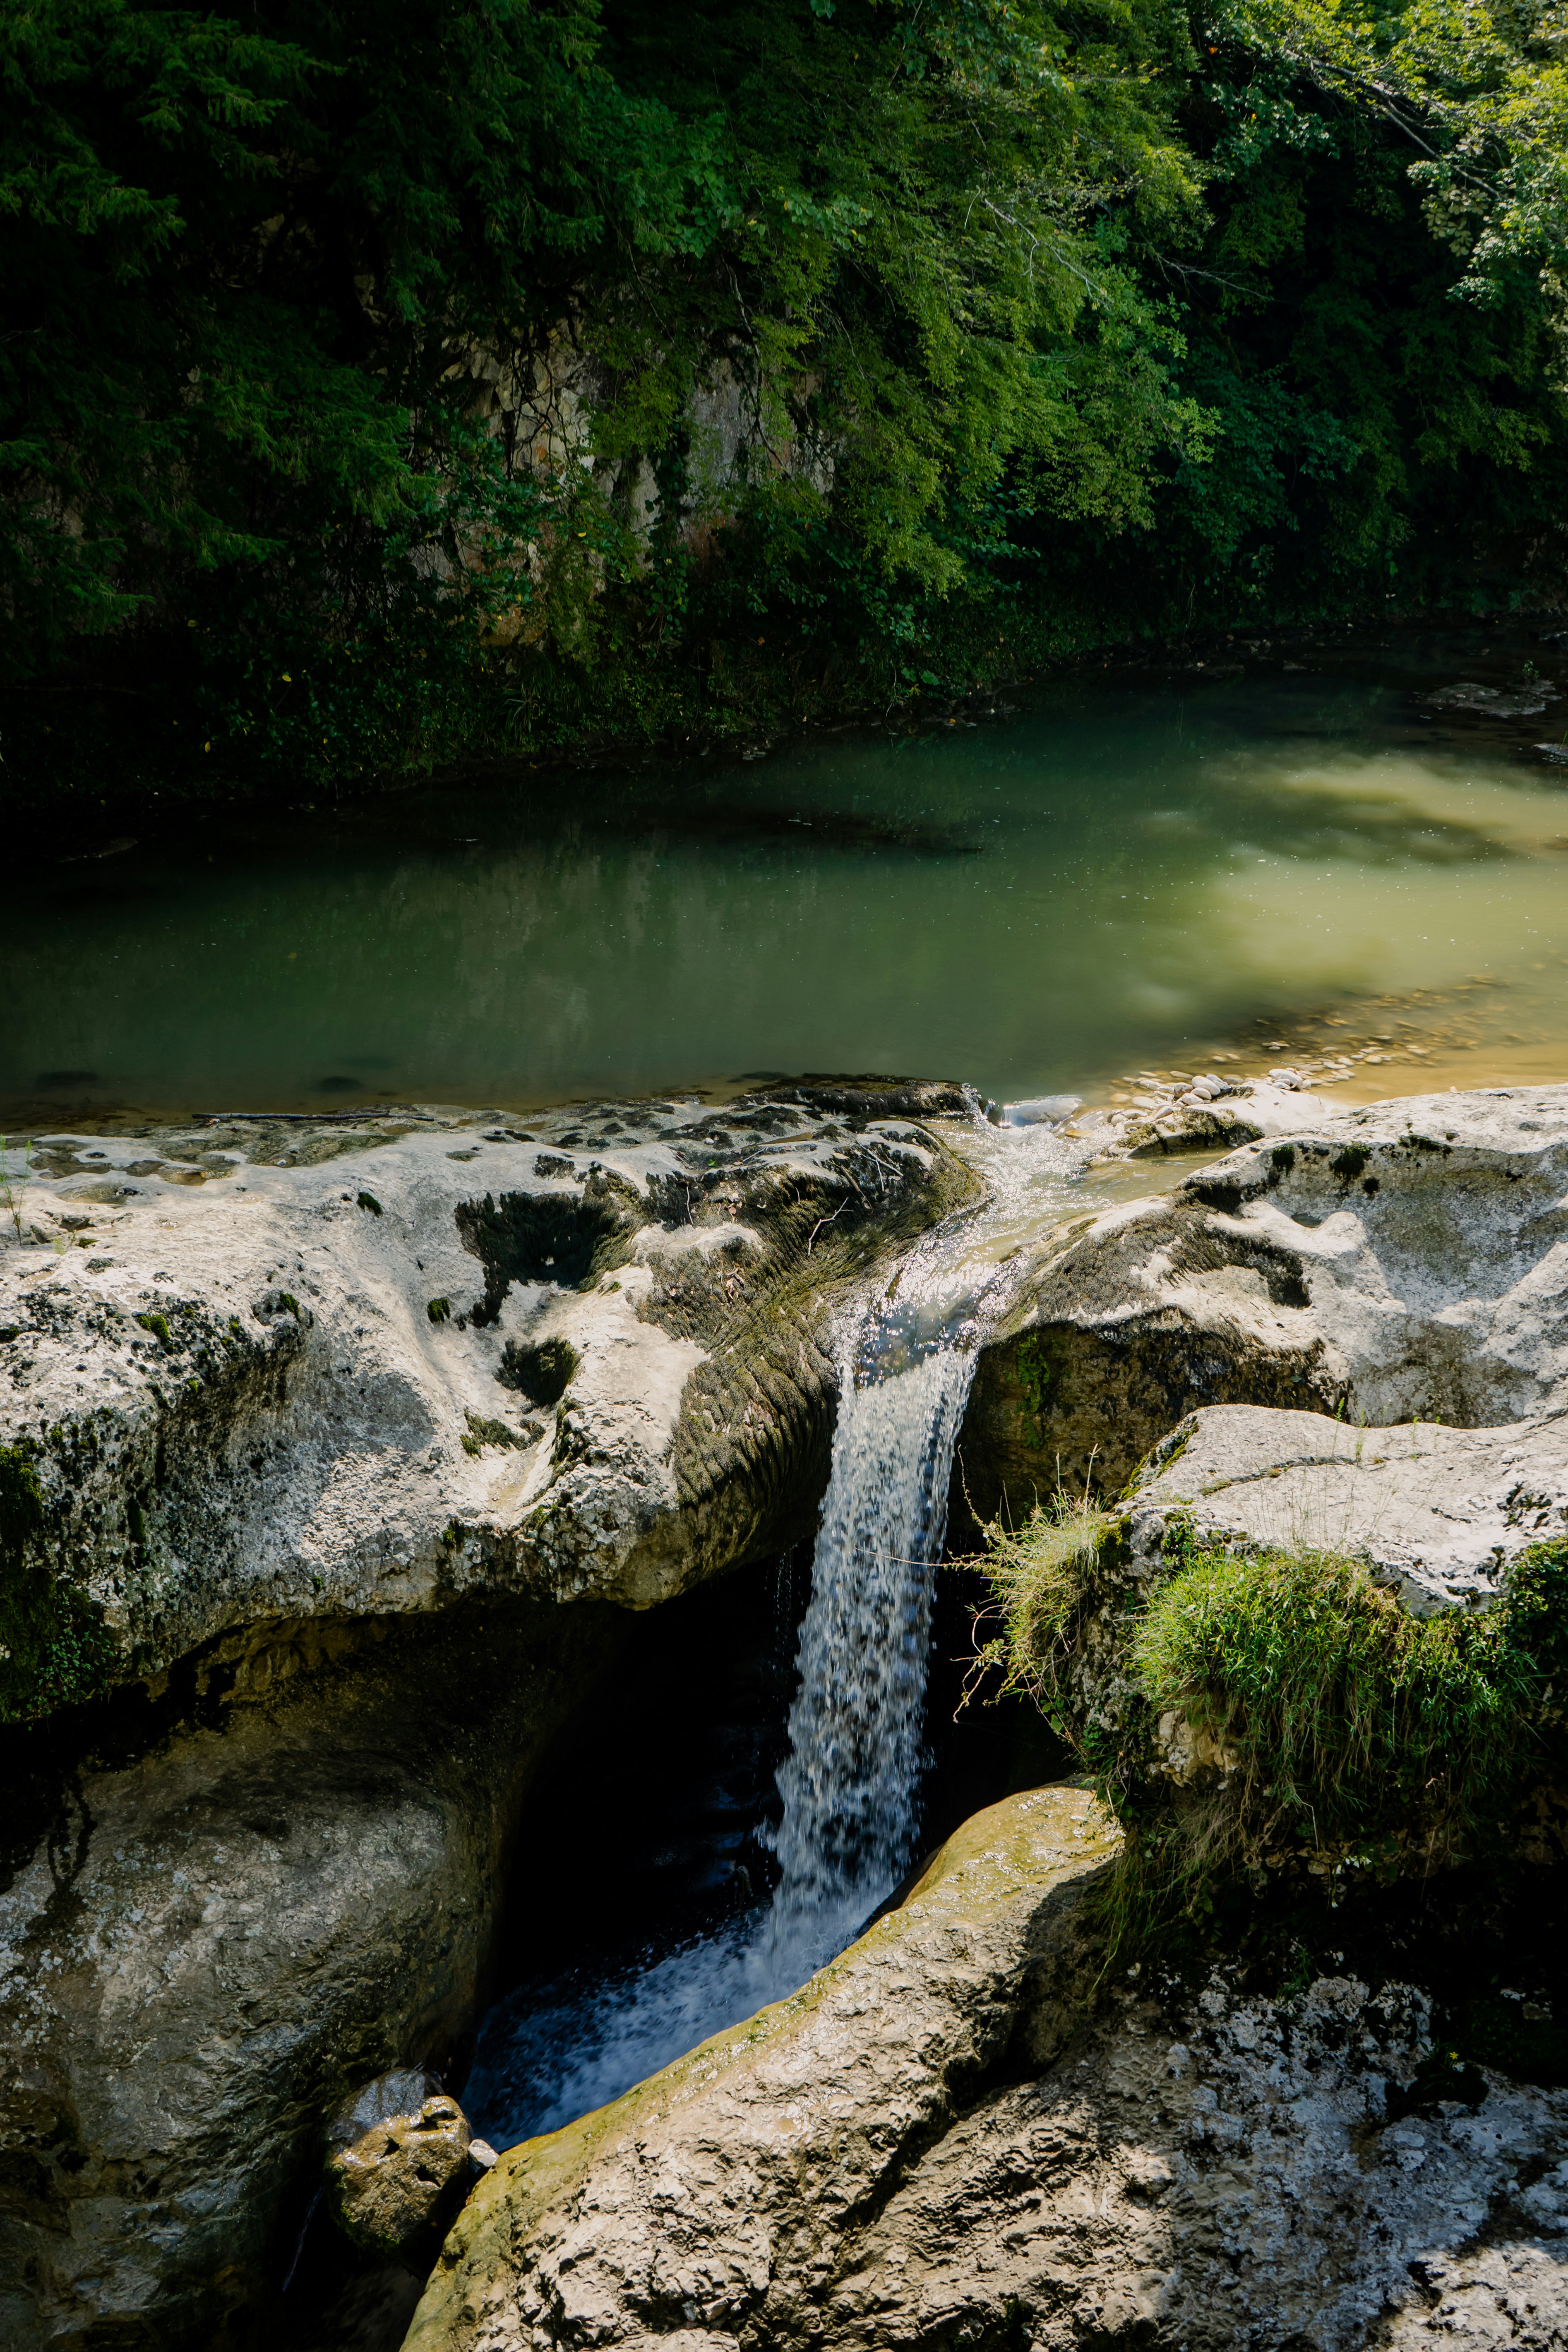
55 1646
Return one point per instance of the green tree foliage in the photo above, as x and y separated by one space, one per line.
380 379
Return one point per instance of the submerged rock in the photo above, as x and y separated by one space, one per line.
367 1370
1523 701
1407 1261
398 2162
944 2139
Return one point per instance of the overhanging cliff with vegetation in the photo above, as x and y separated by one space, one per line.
383 385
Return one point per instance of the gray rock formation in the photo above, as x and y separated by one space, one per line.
943 2139
257 1370
1438 1512
398 2162
1206 1112
1407 1261
307 1432
223 1910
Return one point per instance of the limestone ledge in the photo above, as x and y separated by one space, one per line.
258 1368
1404 1261
946 2139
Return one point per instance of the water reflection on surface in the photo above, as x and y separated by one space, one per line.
1112 879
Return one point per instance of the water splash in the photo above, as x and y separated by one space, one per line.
851 1783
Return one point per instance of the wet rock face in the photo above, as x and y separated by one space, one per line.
943 2140
221 1913
1406 1261
281 1371
398 2163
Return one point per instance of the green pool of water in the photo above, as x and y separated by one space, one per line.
1107 878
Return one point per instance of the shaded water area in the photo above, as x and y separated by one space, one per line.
1138 872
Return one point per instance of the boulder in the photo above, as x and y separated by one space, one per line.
397 2162
1437 1512
945 2138
714 2196
224 1907
1407 1261
257 1369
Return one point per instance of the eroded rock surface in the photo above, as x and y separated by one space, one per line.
1438 1512
1209 1110
1407 1261
219 1917
261 1369
940 2141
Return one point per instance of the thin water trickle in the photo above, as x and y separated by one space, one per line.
851 1785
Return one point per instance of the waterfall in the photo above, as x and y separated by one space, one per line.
851 1782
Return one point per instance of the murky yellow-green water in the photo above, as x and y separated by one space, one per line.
1116 879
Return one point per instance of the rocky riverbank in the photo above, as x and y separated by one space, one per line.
337 1460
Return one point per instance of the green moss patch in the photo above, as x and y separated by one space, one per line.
541 1373
1346 1718
481 1433
55 1647
1278 1712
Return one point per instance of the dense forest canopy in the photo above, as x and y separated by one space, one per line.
386 377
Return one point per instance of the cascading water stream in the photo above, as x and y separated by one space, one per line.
851 1784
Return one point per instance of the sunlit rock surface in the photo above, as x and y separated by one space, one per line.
263 1369
1437 1513
1407 1261
943 2140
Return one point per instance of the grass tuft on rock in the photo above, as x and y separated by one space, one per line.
1041 1576
1335 1715
1253 1716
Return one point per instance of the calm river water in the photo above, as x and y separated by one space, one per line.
1110 877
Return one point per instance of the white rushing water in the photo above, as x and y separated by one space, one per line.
851 1784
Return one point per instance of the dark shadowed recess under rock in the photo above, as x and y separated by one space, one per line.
241 1899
